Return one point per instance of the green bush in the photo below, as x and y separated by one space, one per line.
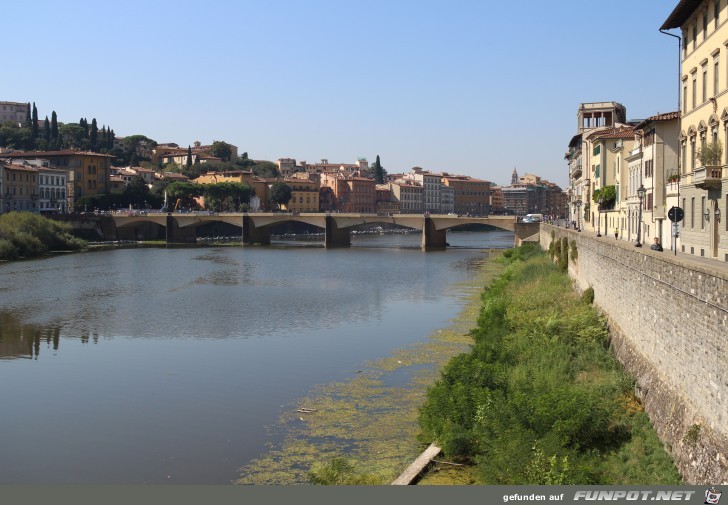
30 235
7 250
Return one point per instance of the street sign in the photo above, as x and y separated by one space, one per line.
675 230
676 214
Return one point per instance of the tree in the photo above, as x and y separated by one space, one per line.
136 191
47 130
73 134
280 193
265 169
221 150
54 127
182 194
94 134
34 124
227 195
28 118
378 172
189 156
243 161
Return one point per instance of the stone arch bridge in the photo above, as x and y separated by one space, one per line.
256 226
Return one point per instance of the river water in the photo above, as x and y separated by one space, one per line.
165 366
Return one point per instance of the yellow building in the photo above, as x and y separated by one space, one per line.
241 176
609 149
89 172
20 188
304 195
703 124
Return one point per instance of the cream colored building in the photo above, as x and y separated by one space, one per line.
653 162
591 117
607 150
704 119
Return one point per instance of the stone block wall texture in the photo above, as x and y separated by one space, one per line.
668 319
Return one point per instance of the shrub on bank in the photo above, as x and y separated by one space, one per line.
540 399
27 235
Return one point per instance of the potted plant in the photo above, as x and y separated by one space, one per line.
710 154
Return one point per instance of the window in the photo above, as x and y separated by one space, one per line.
695 91
705 26
702 213
692 212
716 13
692 154
597 149
695 33
705 83
716 77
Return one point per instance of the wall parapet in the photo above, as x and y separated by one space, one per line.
668 318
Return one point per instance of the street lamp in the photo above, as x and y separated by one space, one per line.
578 215
641 196
599 221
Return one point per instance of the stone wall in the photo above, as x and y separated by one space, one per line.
668 318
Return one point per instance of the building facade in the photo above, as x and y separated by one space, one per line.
14 112
703 120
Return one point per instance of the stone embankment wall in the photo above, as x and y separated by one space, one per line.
668 318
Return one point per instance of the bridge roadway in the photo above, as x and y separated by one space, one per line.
256 226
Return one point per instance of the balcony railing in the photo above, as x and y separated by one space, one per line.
707 177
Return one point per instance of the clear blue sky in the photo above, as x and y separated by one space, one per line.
470 87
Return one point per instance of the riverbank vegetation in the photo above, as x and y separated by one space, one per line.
28 235
540 399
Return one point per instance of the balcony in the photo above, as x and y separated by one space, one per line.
707 177
575 170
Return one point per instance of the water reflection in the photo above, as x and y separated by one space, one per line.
18 340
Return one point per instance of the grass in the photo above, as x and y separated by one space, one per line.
541 399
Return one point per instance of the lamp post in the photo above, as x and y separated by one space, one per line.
578 215
599 220
641 196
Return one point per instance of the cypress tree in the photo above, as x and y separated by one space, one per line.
54 126
34 126
189 157
378 172
47 129
28 119
94 134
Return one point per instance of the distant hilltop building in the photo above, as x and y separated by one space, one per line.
14 111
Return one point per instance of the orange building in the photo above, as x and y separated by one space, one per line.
472 196
351 194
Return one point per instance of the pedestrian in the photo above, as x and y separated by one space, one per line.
616 234
656 246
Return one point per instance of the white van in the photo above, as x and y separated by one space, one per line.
533 218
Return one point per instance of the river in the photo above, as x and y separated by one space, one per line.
167 365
